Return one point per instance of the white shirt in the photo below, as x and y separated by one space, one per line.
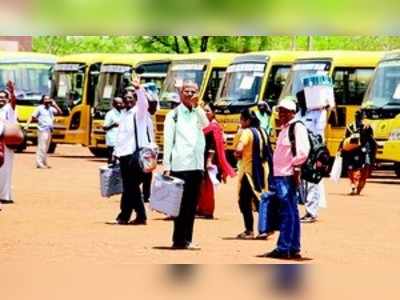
1 128
7 113
187 154
112 117
125 143
45 117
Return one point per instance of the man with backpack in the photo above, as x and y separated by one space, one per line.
315 121
287 165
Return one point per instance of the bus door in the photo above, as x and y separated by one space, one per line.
79 120
350 84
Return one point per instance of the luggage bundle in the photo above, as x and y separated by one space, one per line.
166 195
110 181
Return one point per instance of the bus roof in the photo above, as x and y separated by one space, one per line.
392 55
345 57
216 59
26 57
273 55
136 58
86 58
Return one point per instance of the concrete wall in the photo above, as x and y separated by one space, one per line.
16 43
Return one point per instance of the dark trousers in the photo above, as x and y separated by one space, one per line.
184 223
146 187
131 196
110 151
246 197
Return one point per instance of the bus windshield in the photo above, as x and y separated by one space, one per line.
31 80
384 90
68 85
112 82
242 84
301 70
177 74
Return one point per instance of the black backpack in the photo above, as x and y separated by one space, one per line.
318 163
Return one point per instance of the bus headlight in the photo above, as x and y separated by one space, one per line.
395 135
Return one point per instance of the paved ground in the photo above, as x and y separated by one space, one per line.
59 216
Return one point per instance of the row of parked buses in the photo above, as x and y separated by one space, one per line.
84 84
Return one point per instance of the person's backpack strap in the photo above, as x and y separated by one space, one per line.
136 134
292 137
175 119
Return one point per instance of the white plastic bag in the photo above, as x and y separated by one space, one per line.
336 171
166 194
110 181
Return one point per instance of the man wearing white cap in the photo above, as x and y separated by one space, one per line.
287 167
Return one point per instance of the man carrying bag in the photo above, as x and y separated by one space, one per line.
134 133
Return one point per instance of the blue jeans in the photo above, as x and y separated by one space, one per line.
286 192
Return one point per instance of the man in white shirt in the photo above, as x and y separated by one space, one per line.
111 123
184 146
315 120
134 132
44 115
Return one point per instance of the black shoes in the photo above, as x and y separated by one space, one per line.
6 201
138 222
281 255
308 219
186 246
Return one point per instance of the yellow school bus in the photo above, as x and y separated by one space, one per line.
74 83
115 75
350 71
251 78
30 73
206 69
381 107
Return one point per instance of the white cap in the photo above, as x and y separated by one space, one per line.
289 102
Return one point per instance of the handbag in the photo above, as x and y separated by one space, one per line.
143 158
352 142
12 135
336 171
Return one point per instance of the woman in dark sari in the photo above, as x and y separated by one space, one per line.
358 152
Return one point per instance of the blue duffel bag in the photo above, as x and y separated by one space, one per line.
268 214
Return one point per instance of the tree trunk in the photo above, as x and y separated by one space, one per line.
176 42
294 42
309 42
187 42
204 43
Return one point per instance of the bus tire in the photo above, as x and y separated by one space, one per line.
52 148
397 169
99 152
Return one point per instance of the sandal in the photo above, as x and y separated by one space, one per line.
246 235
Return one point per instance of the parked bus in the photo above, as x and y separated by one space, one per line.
74 83
381 107
206 69
115 75
30 73
350 71
249 79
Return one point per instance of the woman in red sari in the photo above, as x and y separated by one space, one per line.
216 165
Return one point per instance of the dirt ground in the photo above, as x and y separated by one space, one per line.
59 216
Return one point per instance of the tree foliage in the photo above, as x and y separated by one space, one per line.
61 45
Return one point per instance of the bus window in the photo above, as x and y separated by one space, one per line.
350 84
276 81
213 84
